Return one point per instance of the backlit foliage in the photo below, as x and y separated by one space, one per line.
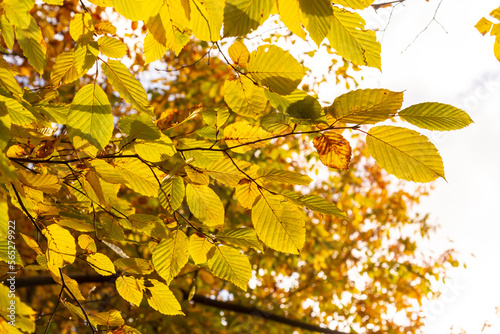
145 141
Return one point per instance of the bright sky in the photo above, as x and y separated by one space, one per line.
458 68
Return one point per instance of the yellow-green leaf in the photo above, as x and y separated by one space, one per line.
85 56
81 28
8 81
206 19
244 97
130 288
333 149
198 152
405 153
139 176
162 299
134 266
91 116
242 136
4 128
47 183
243 16
112 47
156 150
8 31
352 41
247 192
205 204
101 264
436 116
366 106
283 176
316 203
33 45
231 265
279 224
200 248
129 88
291 15
140 127
275 68
226 172
171 193
109 318
171 255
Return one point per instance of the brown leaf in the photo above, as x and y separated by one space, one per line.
333 149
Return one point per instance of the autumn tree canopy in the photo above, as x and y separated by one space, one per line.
160 172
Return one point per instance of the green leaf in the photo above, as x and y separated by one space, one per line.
366 106
130 289
246 237
112 47
405 153
205 204
279 224
4 127
33 45
162 299
64 70
283 176
17 12
275 68
276 123
169 27
231 265
308 110
139 176
243 16
81 28
436 116
129 88
139 126
171 255
349 37
200 248
318 18
101 264
206 19
8 82
91 116
171 193
316 203
244 97
355 4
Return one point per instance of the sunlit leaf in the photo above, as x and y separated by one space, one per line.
241 237
242 136
81 28
231 265
33 45
333 149
436 116
130 288
355 4
200 248
239 53
206 19
112 47
244 97
162 299
170 255
243 16
101 264
171 193
61 246
205 204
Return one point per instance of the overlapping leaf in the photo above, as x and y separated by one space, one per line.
244 97
243 16
162 299
205 204
170 255
206 19
242 136
33 45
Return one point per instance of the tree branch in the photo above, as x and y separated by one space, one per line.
222 305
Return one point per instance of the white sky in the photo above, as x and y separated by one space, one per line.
458 68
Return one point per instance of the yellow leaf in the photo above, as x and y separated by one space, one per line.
436 116
355 4
171 255
33 45
134 266
317 18
61 246
153 50
64 70
101 264
291 15
200 248
484 26
243 16
242 136
239 53
205 205
136 10
333 149
171 193
162 299
81 28
130 288
275 68
350 39
279 224
109 318
246 237
366 106
206 19
17 12
244 97
87 243
155 150
247 192
47 183
139 176
8 31
112 47
405 153
105 27
231 265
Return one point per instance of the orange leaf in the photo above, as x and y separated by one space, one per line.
334 150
